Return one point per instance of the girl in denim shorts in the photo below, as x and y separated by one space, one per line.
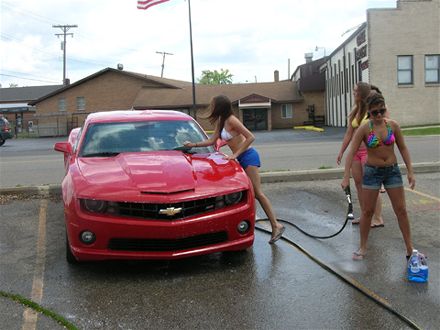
380 136
358 117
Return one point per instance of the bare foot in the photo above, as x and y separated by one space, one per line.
358 255
356 221
276 234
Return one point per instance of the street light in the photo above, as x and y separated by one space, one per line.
317 48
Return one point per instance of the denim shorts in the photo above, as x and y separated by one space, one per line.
249 157
375 176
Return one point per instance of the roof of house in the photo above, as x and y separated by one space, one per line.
281 91
25 94
311 78
164 82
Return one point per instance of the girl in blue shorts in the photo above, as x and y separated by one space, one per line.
380 135
231 130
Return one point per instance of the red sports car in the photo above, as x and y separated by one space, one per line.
132 191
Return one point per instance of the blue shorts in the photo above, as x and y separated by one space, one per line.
249 157
375 176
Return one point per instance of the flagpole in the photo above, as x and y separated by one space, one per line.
192 61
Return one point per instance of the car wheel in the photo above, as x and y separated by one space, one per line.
69 255
2 142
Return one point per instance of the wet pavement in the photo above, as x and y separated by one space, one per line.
266 287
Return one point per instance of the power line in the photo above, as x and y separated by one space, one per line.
28 13
10 75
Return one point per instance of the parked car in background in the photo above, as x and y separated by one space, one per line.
132 191
5 130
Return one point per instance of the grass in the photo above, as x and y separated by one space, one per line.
38 308
323 167
421 131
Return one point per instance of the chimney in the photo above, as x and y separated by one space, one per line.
276 76
308 57
66 82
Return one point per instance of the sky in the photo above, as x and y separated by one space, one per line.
250 38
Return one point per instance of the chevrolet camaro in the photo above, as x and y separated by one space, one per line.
131 190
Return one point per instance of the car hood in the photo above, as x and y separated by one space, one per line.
158 173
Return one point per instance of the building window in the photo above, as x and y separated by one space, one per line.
80 103
62 104
432 69
286 111
405 70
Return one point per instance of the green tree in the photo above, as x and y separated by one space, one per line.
215 77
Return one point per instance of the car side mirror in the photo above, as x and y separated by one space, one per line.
219 143
63 147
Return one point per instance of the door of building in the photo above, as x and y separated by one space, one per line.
255 119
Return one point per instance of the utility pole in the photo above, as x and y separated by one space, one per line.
64 28
163 61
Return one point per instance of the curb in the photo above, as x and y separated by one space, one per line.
266 177
335 173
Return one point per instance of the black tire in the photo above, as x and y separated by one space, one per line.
69 255
2 142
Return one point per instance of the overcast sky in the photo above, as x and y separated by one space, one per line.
250 38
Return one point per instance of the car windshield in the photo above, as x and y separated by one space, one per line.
110 139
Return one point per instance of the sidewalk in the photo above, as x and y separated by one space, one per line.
266 177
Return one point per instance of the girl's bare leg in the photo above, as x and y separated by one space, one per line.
397 197
357 173
254 175
377 216
369 197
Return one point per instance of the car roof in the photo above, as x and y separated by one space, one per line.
136 115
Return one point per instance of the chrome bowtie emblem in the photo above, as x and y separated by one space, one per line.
170 211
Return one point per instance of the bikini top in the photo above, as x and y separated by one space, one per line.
374 141
225 135
355 122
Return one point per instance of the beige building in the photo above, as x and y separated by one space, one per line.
404 59
397 49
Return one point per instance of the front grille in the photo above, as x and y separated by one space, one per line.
136 244
151 211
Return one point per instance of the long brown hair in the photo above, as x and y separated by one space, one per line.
221 109
360 106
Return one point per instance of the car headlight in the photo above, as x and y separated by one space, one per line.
233 198
93 205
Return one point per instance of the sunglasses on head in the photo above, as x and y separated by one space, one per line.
379 111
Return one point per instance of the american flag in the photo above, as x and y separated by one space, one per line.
145 4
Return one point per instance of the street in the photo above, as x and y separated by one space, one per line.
25 162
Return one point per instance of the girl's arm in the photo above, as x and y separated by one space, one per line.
400 142
208 142
345 142
238 127
355 143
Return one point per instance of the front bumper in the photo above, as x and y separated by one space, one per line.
123 238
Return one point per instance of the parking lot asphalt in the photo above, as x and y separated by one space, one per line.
267 287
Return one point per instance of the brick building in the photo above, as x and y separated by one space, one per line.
261 106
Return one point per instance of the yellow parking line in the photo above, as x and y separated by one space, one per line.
29 316
423 194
